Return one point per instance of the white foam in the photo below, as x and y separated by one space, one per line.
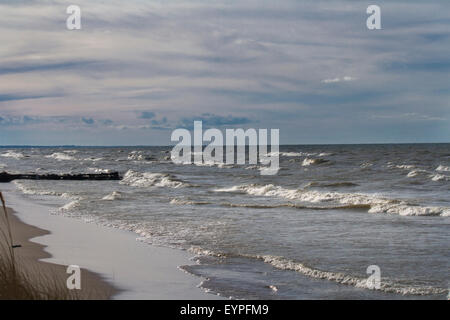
309 161
60 156
99 170
29 190
13 154
405 166
138 156
177 201
70 206
376 204
442 168
115 195
386 285
415 173
283 263
405 210
149 179
291 154
439 177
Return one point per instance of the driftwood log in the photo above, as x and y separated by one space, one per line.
6 177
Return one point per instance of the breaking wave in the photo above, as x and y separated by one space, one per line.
13 154
309 161
405 166
283 263
177 201
442 168
439 177
60 156
332 184
149 179
70 206
139 156
358 282
31 191
415 173
115 195
374 203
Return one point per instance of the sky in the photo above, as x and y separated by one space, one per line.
139 69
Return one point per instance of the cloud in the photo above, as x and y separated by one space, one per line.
333 80
62 121
287 64
213 120
409 116
88 121
146 115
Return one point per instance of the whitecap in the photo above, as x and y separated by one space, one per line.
60 156
309 161
376 204
70 206
149 179
442 168
439 177
115 195
13 154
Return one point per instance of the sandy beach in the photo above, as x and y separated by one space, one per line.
118 264
29 258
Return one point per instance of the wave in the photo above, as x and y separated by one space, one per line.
442 168
99 170
149 179
291 154
293 205
333 184
115 195
374 203
309 161
439 177
283 263
219 165
139 156
300 154
366 165
405 166
342 278
93 159
177 201
30 191
60 156
13 154
70 206
415 173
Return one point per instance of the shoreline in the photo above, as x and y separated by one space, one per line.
30 255
135 270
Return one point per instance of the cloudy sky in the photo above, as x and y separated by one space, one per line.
139 69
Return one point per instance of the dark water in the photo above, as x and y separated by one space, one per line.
310 231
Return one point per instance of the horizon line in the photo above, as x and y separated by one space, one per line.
140 146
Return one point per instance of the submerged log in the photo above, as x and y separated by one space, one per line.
6 177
